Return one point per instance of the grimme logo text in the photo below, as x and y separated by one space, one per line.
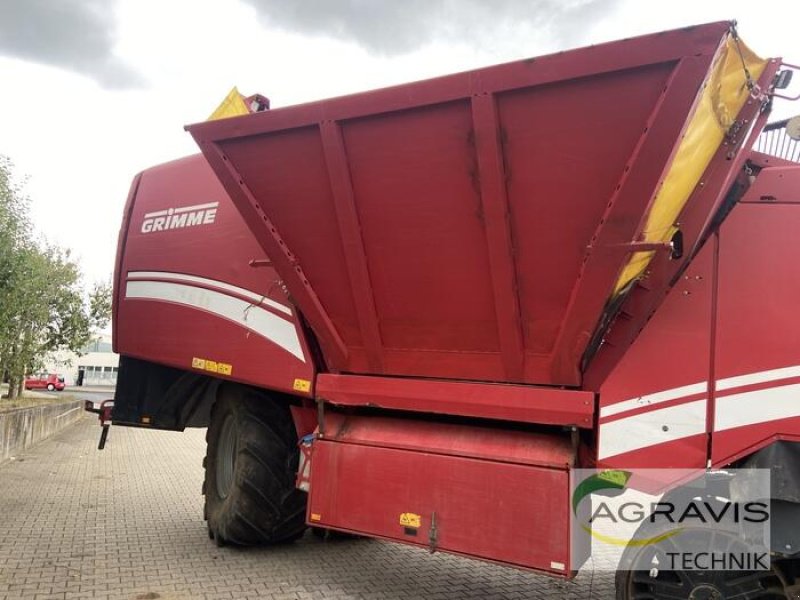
178 218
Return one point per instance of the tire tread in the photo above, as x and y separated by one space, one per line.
263 506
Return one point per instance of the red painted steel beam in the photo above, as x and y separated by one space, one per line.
554 450
701 208
526 404
625 216
282 257
497 225
352 241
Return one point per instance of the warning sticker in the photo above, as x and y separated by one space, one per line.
302 385
224 369
411 520
212 366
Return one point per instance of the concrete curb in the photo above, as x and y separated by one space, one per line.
22 428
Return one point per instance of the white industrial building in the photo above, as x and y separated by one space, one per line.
99 364
96 365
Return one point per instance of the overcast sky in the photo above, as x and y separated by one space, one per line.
93 91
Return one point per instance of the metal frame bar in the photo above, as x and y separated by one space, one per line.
525 404
497 225
352 242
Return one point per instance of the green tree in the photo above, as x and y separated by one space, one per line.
100 304
13 239
42 303
14 225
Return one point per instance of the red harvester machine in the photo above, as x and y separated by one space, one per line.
455 291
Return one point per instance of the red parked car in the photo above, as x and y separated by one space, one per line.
49 382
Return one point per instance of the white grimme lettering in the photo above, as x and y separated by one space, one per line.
195 218
178 218
178 221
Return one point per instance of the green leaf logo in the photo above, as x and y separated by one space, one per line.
605 480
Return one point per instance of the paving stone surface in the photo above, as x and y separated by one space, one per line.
126 523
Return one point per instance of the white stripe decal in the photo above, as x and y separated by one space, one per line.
699 388
758 377
651 428
256 298
182 209
642 430
254 318
654 398
758 406
158 213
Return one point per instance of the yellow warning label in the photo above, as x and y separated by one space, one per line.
224 368
411 520
316 517
302 385
212 366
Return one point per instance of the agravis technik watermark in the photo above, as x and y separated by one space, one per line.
672 519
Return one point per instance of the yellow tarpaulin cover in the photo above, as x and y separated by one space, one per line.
232 106
722 97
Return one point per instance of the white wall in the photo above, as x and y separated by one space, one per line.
100 368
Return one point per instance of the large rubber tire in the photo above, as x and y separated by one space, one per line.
250 469
636 581
780 583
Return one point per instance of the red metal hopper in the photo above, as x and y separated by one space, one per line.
489 225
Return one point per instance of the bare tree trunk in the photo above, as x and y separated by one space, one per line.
20 386
12 387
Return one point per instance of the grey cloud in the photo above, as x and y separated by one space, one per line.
73 34
397 26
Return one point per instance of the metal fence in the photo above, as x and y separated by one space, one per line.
776 142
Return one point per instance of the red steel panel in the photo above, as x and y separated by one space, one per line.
757 398
462 504
425 245
121 248
270 239
189 293
474 226
526 404
653 404
724 169
717 368
776 185
624 216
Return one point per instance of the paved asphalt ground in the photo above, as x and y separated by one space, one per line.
127 523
